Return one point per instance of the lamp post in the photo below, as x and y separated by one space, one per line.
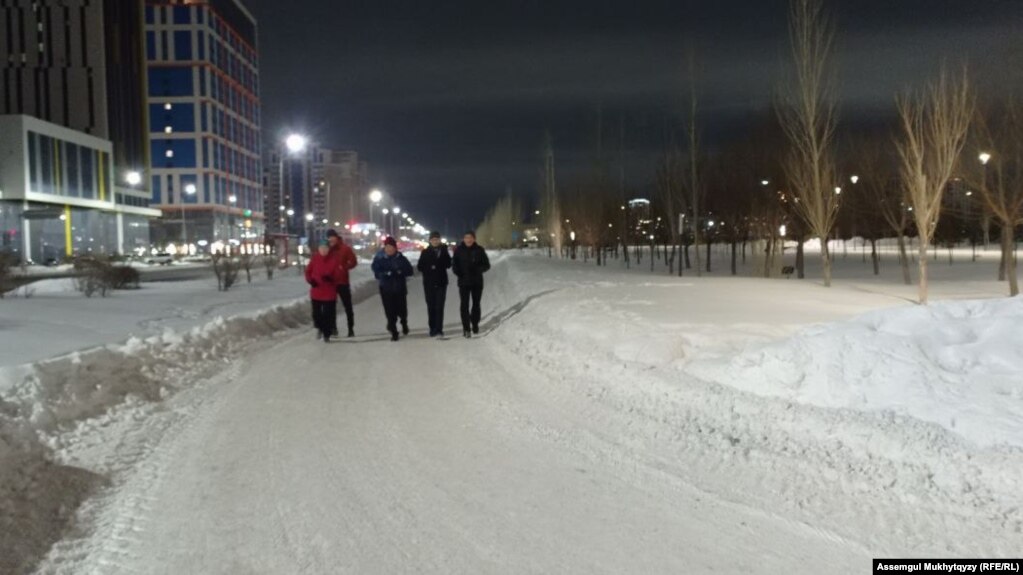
984 158
294 144
190 190
374 199
309 219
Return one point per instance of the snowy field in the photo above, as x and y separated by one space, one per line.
606 421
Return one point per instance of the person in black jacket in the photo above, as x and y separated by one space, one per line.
433 265
392 270
469 263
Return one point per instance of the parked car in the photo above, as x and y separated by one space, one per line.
162 258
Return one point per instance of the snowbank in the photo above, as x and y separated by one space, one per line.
957 364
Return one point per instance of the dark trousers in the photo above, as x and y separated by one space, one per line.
395 308
470 318
325 316
345 292
435 298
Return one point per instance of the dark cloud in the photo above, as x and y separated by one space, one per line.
449 101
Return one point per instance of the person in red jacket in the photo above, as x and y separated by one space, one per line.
347 261
323 275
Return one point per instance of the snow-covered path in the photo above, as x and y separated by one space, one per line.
518 453
421 456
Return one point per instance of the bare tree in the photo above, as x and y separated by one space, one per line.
998 135
226 271
671 174
880 200
808 118
935 125
246 261
694 150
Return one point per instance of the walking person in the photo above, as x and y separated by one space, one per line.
433 265
392 270
323 275
469 263
346 262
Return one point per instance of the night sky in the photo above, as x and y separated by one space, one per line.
449 101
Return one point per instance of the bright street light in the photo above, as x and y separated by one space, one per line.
295 143
397 210
291 212
386 211
854 179
838 190
765 182
190 189
985 158
232 198
309 217
133 178
375 196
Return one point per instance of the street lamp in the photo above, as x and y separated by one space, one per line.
190 190
984 158
133 178
296 143
374 197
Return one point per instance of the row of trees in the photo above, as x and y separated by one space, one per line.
948 170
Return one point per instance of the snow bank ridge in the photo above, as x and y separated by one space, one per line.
41 402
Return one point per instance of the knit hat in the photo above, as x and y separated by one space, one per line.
471 233
332 233
434 235
390 241
324 243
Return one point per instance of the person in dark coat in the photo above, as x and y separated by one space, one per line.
392 270
323 275
433 265
469 263
347 261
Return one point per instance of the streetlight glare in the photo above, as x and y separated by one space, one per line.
386 211
397 210
765 182
232 198
375 196
291 212
985 158
854 179
309 217
190 189
133 178
295 143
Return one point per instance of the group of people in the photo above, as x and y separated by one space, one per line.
328 277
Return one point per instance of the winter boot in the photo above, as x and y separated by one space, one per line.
404 328
394 336
351 332
475 329
466 334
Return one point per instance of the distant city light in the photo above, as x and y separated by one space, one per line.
375 196
985 158
133 178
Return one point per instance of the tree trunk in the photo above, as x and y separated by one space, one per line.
708 257
689 263
1008 261
800 259
923 270
1006 253
826 261
904 260
735 256
875 257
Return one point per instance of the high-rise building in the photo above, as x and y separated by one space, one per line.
313 190
76 66
204 111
